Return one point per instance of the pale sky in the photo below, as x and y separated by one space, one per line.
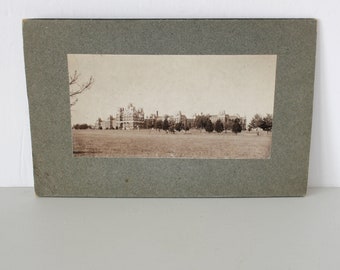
236 84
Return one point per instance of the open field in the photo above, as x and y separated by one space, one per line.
153 144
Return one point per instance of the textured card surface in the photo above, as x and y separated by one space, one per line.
170 108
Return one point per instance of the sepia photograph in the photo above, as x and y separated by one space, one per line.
172 106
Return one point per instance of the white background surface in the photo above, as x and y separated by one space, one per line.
15 145
161 234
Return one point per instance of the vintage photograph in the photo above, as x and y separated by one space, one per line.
172 106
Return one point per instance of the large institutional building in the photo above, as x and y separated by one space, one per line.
130 117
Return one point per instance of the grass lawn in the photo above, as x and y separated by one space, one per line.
152 143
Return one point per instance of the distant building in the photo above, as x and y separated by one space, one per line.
130 117
98 124
180 118
106 124
110 123
220 116
229 120
150 122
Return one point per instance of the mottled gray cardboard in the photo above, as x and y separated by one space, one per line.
58 173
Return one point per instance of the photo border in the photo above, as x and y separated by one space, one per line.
58 173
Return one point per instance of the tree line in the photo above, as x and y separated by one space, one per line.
265 123
202 122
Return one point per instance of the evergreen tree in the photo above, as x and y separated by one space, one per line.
209 126
267 123
159 124
219 126
256 122
237 128
179 126
166 124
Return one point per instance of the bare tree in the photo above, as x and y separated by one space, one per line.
77 88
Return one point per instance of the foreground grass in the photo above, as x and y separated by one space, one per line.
151 143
